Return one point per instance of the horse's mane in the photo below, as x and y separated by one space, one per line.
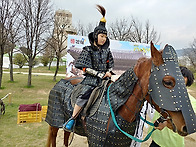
144 59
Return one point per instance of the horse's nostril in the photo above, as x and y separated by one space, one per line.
184 129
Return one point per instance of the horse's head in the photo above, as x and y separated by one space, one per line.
167 90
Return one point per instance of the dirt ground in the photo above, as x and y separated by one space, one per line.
79 141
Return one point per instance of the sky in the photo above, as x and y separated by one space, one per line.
175 20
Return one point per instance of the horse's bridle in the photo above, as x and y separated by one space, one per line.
168 117
162 111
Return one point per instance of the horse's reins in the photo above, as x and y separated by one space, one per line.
168 117
149 123
116 124
162 111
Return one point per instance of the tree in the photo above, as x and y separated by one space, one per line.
84 30
9 48
191 54
14 35
132 30
58 40
49 52
36 16
19 60
8 16
120 30
149 34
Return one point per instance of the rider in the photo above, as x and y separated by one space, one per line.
97 62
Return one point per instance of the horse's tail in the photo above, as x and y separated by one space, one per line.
52 134
49 137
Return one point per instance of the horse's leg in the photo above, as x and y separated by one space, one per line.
52 134
66 138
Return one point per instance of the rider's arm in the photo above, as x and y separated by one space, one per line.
93 72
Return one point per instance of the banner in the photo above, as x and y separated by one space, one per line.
125 53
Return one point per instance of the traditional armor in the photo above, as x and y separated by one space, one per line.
162 95
97 62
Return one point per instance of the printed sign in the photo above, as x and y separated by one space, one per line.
125 53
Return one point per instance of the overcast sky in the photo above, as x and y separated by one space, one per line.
174 19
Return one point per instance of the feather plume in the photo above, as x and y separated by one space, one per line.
101 9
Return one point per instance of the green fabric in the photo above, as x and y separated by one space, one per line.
166 137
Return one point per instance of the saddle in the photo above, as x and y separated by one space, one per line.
94 99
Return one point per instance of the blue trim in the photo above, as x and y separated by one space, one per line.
116 124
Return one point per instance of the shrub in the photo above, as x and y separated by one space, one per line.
45 60
19 60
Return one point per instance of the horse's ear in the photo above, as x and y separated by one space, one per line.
156 55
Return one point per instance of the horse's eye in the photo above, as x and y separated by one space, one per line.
168 82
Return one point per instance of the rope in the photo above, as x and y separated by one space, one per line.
116 124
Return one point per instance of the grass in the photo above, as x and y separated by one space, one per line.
41 69
24 135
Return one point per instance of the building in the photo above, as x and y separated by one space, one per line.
63 20
62 27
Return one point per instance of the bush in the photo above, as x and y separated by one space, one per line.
45 60
36 61
19 60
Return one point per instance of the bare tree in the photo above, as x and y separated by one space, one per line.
191 54
137 34
8 13
49 52
133 30
149 34
58 41
84 30
9 48
14 33
120 30
36 16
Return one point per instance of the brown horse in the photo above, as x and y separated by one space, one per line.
133 104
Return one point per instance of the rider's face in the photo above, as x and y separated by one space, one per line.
102 39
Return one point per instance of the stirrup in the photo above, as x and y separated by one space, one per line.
69 125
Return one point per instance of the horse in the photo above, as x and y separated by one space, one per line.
2 107
127 99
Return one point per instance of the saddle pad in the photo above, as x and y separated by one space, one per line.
60 108
95 99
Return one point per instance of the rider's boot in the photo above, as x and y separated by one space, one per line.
69 124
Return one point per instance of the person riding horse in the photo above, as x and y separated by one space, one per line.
96 61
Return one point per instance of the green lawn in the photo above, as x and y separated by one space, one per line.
41 69
24 135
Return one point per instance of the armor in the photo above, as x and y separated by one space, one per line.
97 62
175 99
